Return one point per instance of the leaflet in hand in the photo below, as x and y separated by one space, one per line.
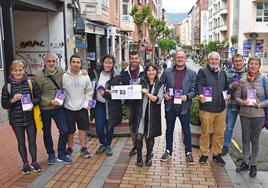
236 78
170 91
207 92
26 102
90 104
100 88
252 96
177 96
60 96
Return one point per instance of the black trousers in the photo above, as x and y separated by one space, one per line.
31 136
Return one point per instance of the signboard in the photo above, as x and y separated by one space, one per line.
247 44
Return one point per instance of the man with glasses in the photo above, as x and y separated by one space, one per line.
180 87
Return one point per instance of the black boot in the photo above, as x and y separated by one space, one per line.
243 167
139 162
139 153
148 161
253 171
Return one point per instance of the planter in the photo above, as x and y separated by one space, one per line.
120 130
196 133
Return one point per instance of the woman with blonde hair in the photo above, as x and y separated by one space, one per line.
18 97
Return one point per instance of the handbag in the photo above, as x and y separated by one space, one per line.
265 108
36 111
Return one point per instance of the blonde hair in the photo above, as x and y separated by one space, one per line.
17 63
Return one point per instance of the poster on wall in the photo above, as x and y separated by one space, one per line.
247 44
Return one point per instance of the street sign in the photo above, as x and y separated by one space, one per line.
232 49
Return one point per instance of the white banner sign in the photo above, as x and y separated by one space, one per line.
126 92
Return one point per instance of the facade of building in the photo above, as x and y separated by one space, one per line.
219 19
31 30
253 30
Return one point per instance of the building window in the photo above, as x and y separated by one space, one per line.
125 7
262 12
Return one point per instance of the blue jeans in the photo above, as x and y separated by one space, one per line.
104 131
171 116
231 117
60 120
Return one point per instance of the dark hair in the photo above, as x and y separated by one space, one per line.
154 66
237 56
75 56
108 56
134 53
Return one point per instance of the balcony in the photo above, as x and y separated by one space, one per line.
223 28
126 23
95 11
223 11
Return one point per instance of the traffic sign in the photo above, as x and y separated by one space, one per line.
232 49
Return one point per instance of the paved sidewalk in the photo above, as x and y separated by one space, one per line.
120 170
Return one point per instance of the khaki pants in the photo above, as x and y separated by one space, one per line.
212 121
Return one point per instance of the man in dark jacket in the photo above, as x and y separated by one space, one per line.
212 107
180 89
133 73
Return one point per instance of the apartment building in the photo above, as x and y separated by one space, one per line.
219 19
106 30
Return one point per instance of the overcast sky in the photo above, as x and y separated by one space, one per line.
176 6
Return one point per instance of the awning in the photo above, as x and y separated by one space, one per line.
85 26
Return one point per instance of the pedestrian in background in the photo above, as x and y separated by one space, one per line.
50 81
149 116
79 91
20 120
180 87
234 76
108 112
212 112
252 115
132 75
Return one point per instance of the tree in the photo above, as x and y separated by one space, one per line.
155 29
234 39
139 16
166 45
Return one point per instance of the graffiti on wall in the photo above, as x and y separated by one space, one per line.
33 62
57 47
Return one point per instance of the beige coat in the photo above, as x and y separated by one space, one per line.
241 94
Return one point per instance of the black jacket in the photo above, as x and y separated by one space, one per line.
18 117
114 106
154 111
218 81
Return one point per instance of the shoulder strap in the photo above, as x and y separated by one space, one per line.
264 86
54 82
31 87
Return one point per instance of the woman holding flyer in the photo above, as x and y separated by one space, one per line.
250 98
108 112
149 116
16 97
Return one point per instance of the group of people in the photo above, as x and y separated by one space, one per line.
177 86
